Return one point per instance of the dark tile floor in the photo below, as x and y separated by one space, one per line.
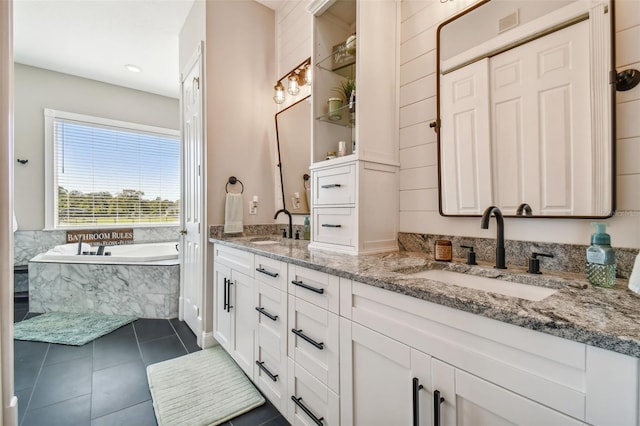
104 383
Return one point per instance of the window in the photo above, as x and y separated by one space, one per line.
103 172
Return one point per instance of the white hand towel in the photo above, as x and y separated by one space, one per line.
634 280
233 213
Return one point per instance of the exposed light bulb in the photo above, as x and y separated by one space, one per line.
308 75
293 87
278 93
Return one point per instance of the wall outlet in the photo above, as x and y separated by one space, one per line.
253 208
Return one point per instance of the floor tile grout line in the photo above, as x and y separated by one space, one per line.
35 383
135 333
179 338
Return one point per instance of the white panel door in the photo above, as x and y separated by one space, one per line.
379 378
193 235
466 179
542 126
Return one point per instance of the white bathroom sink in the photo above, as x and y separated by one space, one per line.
492 285
264 242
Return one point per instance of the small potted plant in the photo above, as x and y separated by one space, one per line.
345 89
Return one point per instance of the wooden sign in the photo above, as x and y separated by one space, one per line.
102 237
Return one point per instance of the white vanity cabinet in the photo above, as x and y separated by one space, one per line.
270 350
313 347
346 213
488 372
234 314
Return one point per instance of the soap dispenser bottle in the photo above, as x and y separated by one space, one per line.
307 229
601 258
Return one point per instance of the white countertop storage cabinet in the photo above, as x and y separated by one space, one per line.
346 213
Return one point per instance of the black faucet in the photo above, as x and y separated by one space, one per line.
524 209
500 261
285 211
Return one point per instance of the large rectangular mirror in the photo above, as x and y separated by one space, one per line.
293 133
526 109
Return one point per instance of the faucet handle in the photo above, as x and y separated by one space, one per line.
284 232
534 262
471 255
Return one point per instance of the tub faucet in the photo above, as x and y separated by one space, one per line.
79 245
285 211
484 224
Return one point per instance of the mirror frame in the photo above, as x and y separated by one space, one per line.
279 165
612 80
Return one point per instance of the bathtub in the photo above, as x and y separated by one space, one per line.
123 254
137 279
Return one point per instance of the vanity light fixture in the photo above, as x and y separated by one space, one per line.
133 68
278 93
297 77
293 88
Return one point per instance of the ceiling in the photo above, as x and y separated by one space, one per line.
95 39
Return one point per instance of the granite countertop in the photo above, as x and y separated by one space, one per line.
607 318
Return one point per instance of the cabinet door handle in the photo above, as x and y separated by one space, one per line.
331 185
328 225
308 287
416 403
437 400
298 402
226 295
299 333
264 271
229 284
266 314
272 376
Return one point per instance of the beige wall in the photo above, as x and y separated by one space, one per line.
36 89
418 157
239 52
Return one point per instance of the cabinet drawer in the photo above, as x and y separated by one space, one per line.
315 287
313 341
335 185
241 261
315 402
334 225
271 271
270 369
271 310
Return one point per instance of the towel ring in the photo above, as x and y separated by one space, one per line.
233 180
306 181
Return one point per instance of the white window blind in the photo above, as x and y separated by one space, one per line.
112 174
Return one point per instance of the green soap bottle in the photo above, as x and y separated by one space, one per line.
601 258
307 229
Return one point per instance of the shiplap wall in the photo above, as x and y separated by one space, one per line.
418 158
293 42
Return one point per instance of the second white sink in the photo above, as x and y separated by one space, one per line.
492 285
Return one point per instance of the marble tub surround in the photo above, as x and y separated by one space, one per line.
147 291
567 257
605 318
28 244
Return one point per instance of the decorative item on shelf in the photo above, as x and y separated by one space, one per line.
346 88
297 77
342 148
350 44
341 56
334 105
330 155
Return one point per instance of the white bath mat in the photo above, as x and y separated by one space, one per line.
202 388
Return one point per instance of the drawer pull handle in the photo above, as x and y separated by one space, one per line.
328 225
272 376
299 333
416 406
331 185
266 314
437 400
308 412
308 287
264 271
